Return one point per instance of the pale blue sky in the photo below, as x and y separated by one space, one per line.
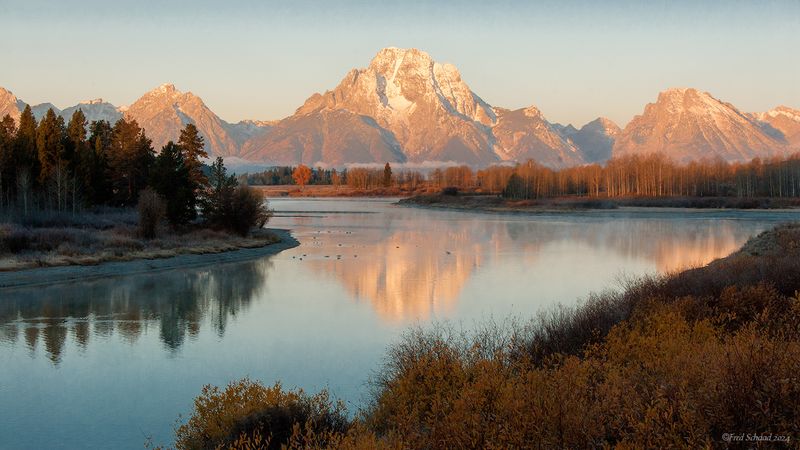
575 60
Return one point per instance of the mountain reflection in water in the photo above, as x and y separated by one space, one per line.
411 275
402 263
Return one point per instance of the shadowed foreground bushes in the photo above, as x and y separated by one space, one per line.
669 362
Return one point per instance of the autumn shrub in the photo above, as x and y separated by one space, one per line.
658 380
151 212
249 413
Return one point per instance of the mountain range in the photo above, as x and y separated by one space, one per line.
406 107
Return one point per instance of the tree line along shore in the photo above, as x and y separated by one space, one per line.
681 360
654 179
84 193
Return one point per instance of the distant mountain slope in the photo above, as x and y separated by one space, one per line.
41 109
10 104
785 120
164 111
328 137
524 134
594 140
687 124
94 110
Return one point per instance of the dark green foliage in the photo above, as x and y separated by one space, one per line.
26 152
96 171
171 179
283 176
193 148
232 207
216 199
50 137
130 158
247 210
516 189
8 163
75 144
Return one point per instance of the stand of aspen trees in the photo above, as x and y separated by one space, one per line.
632 176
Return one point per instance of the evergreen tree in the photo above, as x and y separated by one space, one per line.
387 175
50 145
97 180
8 131
171 179
26 155
193 147
76 138
76 154
216 200
130 158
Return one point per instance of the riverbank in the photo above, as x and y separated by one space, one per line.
85 238
334 191
498 204
679 360
244 250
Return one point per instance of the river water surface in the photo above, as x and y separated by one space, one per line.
107 363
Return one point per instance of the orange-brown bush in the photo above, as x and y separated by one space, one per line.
657 380
247 414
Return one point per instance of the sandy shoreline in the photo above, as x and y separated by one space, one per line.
61 274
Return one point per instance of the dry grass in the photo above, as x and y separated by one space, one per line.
495 203
26 247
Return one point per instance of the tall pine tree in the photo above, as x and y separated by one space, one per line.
50 145
76 154
50 140
193 147
130 158
26 154
170 178
97 181
8 131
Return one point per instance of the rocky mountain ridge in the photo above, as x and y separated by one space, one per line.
406 107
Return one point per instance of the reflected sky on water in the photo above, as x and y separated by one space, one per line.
106 363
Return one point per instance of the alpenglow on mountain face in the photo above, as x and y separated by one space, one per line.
406 107
687 125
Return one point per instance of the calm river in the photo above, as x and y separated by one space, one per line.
107 363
